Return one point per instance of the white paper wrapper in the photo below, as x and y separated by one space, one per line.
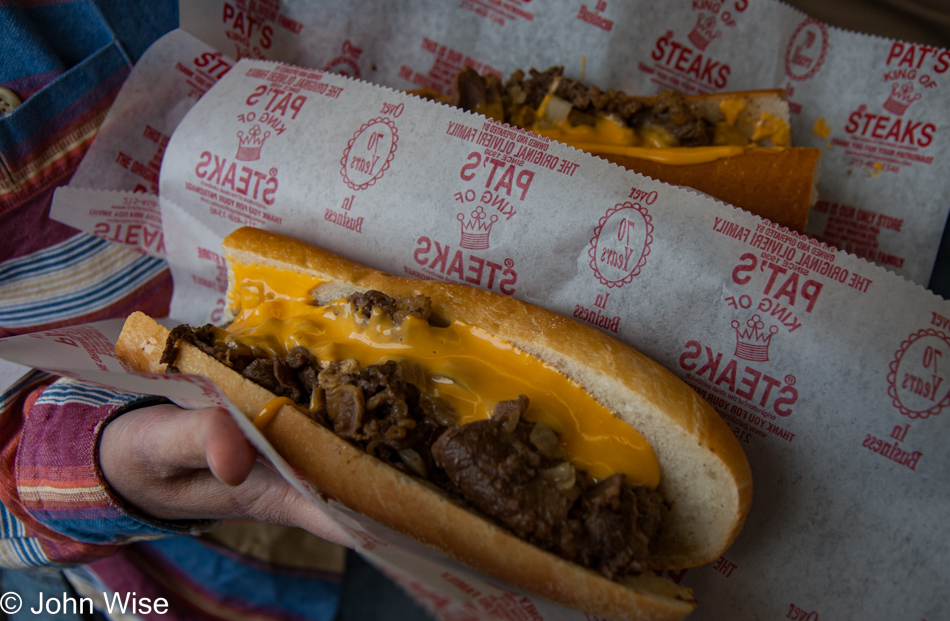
166 82
126 156
829 369
127 218
873 105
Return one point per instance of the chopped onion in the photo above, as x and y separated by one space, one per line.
518 96
371 446
376 400
412 459
394 434
511 420
316 399
400 410
411 372
346 400
349 365
544 439
557 110
438 410
562 474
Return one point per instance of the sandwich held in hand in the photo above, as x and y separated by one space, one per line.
733 146
529 446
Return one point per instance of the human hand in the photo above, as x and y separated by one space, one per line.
176 464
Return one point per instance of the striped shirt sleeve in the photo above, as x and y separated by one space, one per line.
57 508
81 277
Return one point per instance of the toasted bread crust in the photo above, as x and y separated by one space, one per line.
704 473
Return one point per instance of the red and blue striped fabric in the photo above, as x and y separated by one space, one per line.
20 547
80 279
57 479
57 497
66 61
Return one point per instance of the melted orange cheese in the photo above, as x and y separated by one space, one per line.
269 411
609 137
605 131
675 156
464 365
769 126
821 128
731 108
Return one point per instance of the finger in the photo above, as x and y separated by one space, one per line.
282 504
227 452
206 438
264 496
162 457
306 516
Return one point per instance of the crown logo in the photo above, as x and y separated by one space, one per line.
249 145
475 231
704 32
901 97
752 343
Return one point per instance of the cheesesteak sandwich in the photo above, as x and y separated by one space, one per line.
529 446
733 146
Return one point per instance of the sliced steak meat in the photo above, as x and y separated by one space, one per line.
477 93
523 95
397 308
494 465
676 116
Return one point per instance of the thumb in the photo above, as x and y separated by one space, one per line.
191 440
166 443
196 464
228 454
